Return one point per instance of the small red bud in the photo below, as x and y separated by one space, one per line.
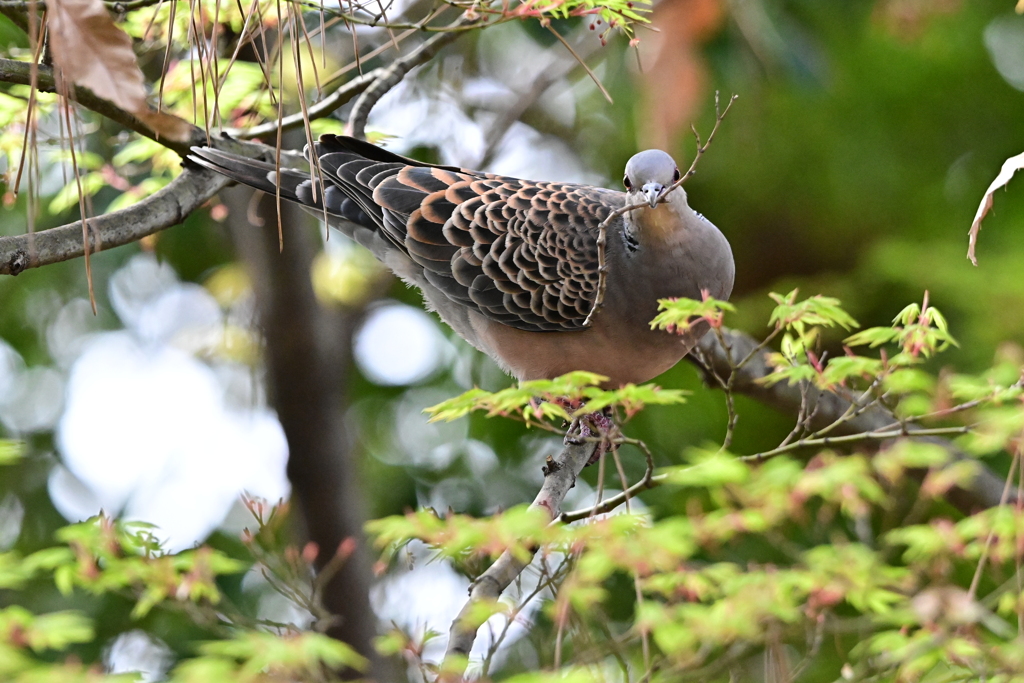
309 552
219 213
346 548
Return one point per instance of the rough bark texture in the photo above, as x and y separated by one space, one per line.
307 353
559 476
824 408
170 206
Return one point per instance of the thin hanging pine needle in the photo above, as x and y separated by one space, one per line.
65 104
167 57
192 69
266 59
370 55
323 39
198 38
280 129
215 67
245 36
355 38
593 76
63 159
29 143
383 14
152 21
316 175
312 56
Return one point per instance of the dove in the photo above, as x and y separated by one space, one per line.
513 265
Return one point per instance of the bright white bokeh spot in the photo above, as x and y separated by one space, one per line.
398 345
147 430
428 595
138 652
30 398
1004 38
74 500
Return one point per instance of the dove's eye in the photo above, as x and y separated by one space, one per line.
627 183
675 176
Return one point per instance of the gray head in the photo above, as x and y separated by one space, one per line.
648 175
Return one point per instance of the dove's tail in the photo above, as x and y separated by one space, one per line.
252 172
296 186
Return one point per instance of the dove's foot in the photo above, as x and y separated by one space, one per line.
592 425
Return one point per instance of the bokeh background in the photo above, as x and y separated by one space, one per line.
851 165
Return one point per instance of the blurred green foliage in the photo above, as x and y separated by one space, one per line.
850 167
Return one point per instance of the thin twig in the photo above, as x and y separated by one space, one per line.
559 476
582 62
393 74
976 579
648 481
602 228
854 438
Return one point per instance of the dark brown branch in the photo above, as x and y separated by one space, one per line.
308 349
319 110
825 409
390 76
560 475
12 71
166 208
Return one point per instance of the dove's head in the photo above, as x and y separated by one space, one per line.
649 174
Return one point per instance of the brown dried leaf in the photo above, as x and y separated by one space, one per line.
93 52
1010 166
166 125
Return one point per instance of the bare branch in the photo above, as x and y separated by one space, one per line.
324 107
826 442
560 475
391 75
12 71
166 208
826 408
602 229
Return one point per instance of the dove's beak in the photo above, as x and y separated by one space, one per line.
652 192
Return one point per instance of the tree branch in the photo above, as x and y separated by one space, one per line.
12 71
390 76
308 355
319 110
824 409
166 208
560 475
